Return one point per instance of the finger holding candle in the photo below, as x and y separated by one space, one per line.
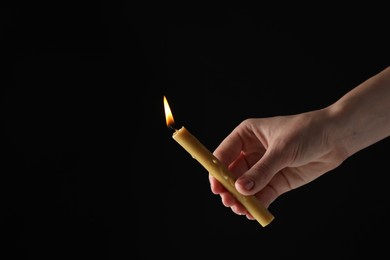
237 168
219 171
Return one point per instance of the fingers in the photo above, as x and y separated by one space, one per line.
229 149
237 168
215 185
228 199
260 174
265 197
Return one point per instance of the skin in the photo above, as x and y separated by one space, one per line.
271 156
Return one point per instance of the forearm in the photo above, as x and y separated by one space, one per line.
363 114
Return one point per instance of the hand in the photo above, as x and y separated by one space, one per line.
270 156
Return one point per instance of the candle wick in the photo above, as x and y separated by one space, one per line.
171 127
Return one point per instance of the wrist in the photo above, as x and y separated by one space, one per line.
340 129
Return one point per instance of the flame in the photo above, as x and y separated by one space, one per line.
168 113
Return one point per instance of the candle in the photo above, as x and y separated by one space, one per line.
219 171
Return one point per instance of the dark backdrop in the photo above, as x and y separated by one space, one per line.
89 167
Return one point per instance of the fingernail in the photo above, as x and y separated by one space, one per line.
246 184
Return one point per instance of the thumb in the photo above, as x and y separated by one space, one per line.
261 173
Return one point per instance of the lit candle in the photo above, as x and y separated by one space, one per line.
219 171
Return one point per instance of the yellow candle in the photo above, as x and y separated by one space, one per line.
219 171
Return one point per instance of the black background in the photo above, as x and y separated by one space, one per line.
89 168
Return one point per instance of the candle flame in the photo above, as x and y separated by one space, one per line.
168 113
